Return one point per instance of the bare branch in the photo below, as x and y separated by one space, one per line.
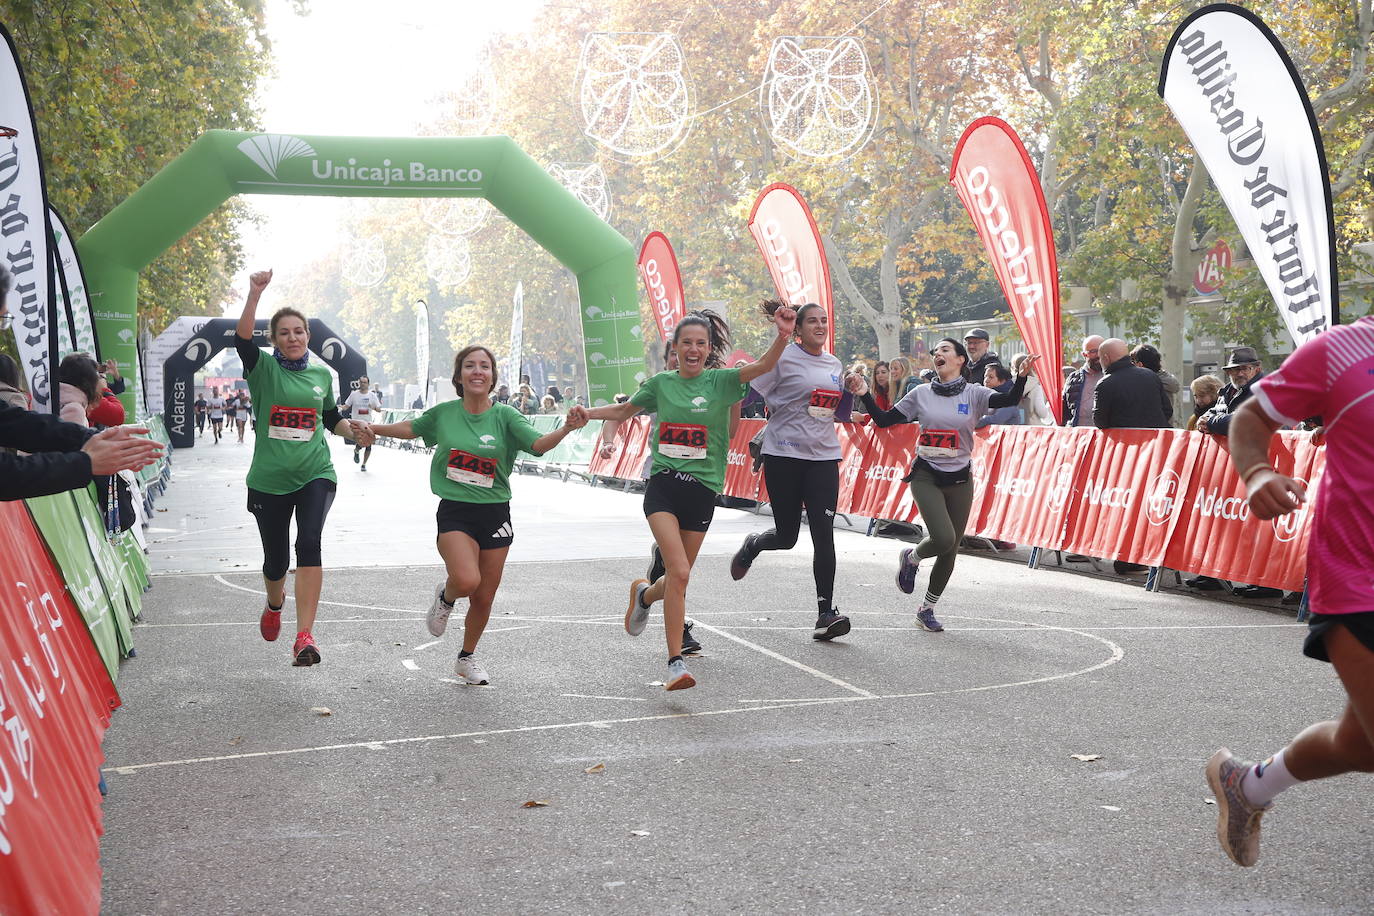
1354 83
851 289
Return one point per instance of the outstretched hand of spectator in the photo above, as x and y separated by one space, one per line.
1271 494
856 385
121 448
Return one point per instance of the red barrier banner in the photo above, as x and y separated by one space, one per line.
1000 188
786 233
852 438
887 459
55 702
740 479
1217 535
663 281
1127 494
1026 492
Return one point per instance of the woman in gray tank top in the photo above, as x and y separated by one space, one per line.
940 478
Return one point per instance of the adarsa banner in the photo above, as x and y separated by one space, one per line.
1163 497
663 281
55 702
1239 98
1001 191
786 233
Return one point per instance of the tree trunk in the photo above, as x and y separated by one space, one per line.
1182 264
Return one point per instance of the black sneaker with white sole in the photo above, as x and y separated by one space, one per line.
656 567
744 557
689 645
830 625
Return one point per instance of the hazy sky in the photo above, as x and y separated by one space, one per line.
359 68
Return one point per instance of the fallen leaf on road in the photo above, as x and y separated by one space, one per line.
536 804
238 740
322 710
599 768
1086 757
639 833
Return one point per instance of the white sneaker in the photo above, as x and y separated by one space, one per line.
437 618
469 670
679 678
637 615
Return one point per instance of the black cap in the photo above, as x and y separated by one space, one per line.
979 333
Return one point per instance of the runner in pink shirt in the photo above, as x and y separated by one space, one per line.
1332 377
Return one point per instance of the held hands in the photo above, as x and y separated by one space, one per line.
785 319
1026 365
856 385
121 448
608 449
1271 494
362 433
258 281
576 418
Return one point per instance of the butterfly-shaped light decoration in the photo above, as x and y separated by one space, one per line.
587 182
818 98
469 109
454 215
364 260
448 259
634 96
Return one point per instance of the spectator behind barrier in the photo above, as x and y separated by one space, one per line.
11 389
1034 407
980 354
996 377
78 387
1128 396
1243 370
1206 389
1148 357
1081 385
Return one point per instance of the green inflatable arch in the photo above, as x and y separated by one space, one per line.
223 163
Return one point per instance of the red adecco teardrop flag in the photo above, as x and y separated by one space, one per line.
663 281
786 233
1001 191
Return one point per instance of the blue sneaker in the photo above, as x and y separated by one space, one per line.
907 566
926 618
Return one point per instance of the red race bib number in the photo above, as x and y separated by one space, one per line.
938 443
473 470
291 424
685 441
824 401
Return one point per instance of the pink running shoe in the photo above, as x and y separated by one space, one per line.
306 652
269 624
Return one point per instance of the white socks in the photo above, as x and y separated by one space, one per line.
1266 780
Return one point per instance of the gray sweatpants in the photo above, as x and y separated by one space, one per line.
944 513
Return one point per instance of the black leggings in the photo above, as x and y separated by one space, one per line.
792 483
273 511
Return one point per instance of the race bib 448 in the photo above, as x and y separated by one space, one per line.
465 467
682 440
292 424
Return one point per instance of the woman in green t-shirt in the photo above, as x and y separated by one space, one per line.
291 471
476 441
690 441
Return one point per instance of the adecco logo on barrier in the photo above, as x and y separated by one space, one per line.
1102 493
1162 496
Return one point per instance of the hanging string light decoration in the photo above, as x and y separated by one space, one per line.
818 97
587 182
363 260
448 259
633 92
454 215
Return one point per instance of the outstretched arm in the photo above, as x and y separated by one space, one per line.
858 386
785 319
1270 493
402 430
249 317
613 411
576 419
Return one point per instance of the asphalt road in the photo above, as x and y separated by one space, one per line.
893 771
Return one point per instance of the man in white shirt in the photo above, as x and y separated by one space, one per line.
363 405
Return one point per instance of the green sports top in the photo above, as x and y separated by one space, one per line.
692 433
474 453
289 449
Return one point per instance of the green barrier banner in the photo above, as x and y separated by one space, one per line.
56 519
221 164
109 565
576 448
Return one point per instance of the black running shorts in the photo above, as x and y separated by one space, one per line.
1318 625
486 523
683 496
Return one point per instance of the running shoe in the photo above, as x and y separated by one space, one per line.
269 624
744 557
1238 821
356 458
637 615
436 621
364 469
679 678
306 652
656 567
469 670
907 566
829 625
926 618
689 645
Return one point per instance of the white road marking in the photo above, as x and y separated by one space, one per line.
424 646
788 661
593 696
409 663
